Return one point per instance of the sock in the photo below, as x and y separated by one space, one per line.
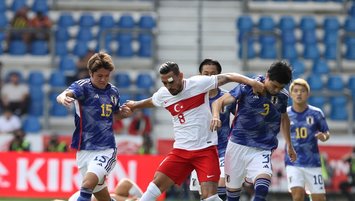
222 193
113 199
135 191
261 189
151 193
85 194
233 195
212 198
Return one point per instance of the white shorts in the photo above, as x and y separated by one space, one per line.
195 184
308 178
245 163
99 162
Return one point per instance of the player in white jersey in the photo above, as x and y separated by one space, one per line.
308 125
195 145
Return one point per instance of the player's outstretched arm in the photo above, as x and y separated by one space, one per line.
146 103
285 129
217 106
224 78
323 136
65 98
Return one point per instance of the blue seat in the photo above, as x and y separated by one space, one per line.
39 47
349 24
289 52
330 38
80 48
330 52
125 48
350 48
36 93
2 6
244 25
298 68
67 65
268 48
62 35
351 83
311 52
17 47
315 82
317 101
145 41
3 20
320 66
123 80
36 108
66 19
287 23
18 4
331 23
309 38
144 81
146 21
57 79
61 49
308 23
84 34
142 96
36 79
250 52
126 21
288 37
351 10
106 21
86 20
40 6
266 23
124 97
338 108
335 83
31 124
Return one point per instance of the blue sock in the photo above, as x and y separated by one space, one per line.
85 194
222 193
233 195
261 189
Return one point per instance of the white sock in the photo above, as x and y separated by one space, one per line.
135 191
213 198
151 193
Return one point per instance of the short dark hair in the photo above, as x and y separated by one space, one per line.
281 72
169 66
210 62
100 60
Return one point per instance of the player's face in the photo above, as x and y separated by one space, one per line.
209 70
100 78
299 94
172 82
273 87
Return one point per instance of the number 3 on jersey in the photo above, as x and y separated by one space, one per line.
266 109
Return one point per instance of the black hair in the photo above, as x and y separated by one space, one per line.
281 72
210 62
169 66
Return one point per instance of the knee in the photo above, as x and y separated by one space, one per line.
90 181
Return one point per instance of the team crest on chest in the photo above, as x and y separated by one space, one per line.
309 120
274 100
114 99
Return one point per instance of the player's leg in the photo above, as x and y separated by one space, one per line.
296 182
194 182
315 183
160 184
127 187
222 183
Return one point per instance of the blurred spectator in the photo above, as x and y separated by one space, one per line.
19 143
81 68
15 95
147 145
345 186
118 126
140 124
9 122
54 145
19 23
42 24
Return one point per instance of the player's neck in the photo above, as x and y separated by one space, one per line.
213 93
299 107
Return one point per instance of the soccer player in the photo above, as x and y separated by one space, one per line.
195 145
212 67
95 100
253 134
308 125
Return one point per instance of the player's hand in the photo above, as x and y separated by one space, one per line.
125 111
215 124
322 136
66 100
130 104
258 87
291 153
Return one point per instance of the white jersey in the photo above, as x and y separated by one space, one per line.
191 113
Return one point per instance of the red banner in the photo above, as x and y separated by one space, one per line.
55 175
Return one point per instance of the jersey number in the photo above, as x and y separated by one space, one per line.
181 118
106 110
318 179
301 132
266 109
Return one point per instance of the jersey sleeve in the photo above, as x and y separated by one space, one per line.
157 98
207 82
238 91
77 90
322 123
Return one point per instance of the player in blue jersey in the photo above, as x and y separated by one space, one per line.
96 101
213 67
308 125
258 120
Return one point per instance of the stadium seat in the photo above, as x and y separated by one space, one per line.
86 20
40 6
36 108
244 26
17 47
62 35
309 38
123 80
106 21
317 101
31 124
36 93
84 34
330 38
266 23
311 52
289 52
61 49
126 21
351 83
315 82
144 81
320 66
330 52
338 108
80 48
67 65
335 83
2 7
287 23
351 10
125 48
146 21
288 37
268 48
298 68
145 41
250 52
124 97
331 23
56 109
39 48
36 79
17 4
349 24
57 79
3 20
308 23
66 20
350 48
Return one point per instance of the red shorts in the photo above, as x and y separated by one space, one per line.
179 164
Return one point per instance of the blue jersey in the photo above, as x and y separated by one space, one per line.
304 126
223 132
94 109
258 117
